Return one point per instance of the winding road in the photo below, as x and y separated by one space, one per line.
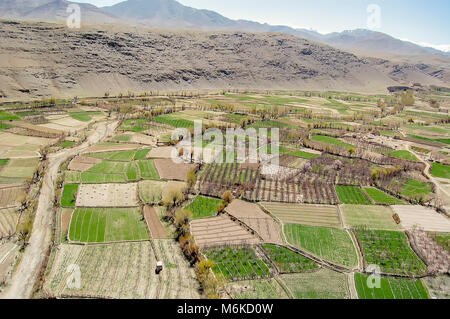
27 273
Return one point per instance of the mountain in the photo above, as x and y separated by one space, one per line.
99 59
52 10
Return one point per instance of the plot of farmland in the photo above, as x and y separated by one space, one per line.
257 289
125 169
313 215
380 197
202 207
440 170
288 261
219 231
255 218
110 147
152 192
371 217
331 244
97 225
107 195
391 288
124 270
9 217
391 251
154 225
20 168
322 284
422 217
351 195
239 262
83 163
330 140
147 169
10 195
161 152
167 169
69 195
123 156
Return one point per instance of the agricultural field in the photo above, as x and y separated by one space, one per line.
390 288
69 195
331 244
438 286
288 261
238 262
127 272
414 189
107 195
312 215
9 217
153 192
391 251
11 194
168 170
220 230
257 289
330 140
321 284
351 195
406 155
382 198
202 207
369 217
422 217
440 170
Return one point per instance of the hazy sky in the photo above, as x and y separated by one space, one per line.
420 21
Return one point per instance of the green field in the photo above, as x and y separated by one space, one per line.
4 161
390 288
258 289
202 207
381 198
351 195
331 244
414 189
96 178
141 154
287 260
303 154
330 140
80 116
321 284
391 251
370 217
122 138
172 120
237 263
69 195
440 170
96 225
6 116
122 156
148 169
406 155
67 144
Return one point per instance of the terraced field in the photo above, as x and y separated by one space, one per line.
312 215
390 288
97 225
351 195
370 217
331 244
381 198
9 218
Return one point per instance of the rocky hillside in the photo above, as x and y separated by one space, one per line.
49 59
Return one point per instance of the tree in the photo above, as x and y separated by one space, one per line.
227 197
191 179
173 198
407 98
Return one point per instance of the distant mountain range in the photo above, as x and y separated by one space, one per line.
170 14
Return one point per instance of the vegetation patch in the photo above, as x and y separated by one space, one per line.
351 195
69 194
96 225
370 217
390 288
415 189
287 260
330 140
257 289
403 154
147 169
237 263
331 244
202 207
391 251
440 170
381 198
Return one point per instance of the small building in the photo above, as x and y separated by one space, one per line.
159 267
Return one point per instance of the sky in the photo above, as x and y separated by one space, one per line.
425 22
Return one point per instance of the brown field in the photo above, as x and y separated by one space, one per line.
154 224
10 195
140 138
29 129
220 230
16 146
167 169
100 148
255 218
161 152
66 215
124 270
9 217
312 215
422 217
8 253
291 161
107 195
83 163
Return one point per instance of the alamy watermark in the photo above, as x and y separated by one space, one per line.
238 146
374 279
374 18
73 21
73 281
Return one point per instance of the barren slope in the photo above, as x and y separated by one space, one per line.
49 59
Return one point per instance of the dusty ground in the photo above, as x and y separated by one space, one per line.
153 223
83 163
107 195
161 152
167 169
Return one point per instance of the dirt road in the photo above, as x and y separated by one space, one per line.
27 273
